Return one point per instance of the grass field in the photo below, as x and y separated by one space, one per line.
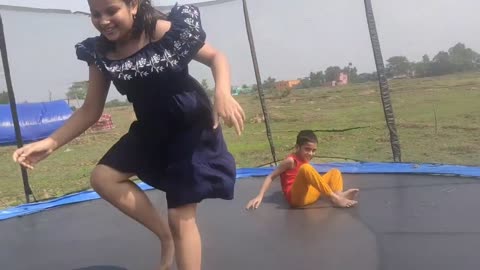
438 121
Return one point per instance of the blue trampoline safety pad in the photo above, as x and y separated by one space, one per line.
378 168
347 168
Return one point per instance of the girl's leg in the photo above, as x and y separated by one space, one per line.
116 188
186 236
309 178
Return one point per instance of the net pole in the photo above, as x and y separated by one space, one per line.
383 83
259 80
13 107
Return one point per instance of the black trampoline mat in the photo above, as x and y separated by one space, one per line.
402 222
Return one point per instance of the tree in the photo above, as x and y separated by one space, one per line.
4 98
316 79
422 69
462 58
398 66
78 90
269 83
304 83
426 59
332 73
366 77
441 64
352 72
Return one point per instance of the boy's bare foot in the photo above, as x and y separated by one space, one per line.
349 194
343 202
167 256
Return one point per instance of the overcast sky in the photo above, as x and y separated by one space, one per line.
76 5
291 39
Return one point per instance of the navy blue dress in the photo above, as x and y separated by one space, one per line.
172 146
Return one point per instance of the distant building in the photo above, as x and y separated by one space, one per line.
283 85
241 90
343 79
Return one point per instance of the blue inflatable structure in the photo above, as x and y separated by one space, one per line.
37 120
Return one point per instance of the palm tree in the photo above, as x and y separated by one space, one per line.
382 78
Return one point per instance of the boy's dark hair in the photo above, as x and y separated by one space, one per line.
145 21
306 136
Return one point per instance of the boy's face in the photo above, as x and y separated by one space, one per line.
307 151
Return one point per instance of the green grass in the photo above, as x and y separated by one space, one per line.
452 138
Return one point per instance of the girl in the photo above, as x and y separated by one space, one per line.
301 183
176 144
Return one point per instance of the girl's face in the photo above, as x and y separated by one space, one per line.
306 151
113 18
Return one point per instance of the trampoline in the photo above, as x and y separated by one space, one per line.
409 216
406 220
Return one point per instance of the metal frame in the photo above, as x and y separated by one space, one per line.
382 78
13 107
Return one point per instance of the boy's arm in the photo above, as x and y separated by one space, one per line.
286 164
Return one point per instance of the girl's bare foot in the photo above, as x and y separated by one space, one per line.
342 202
349 194
167 256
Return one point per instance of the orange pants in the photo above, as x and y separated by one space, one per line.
309 185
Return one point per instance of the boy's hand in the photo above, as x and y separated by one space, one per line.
254 203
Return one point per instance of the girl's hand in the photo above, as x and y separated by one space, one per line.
254 203
31 154
230 111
